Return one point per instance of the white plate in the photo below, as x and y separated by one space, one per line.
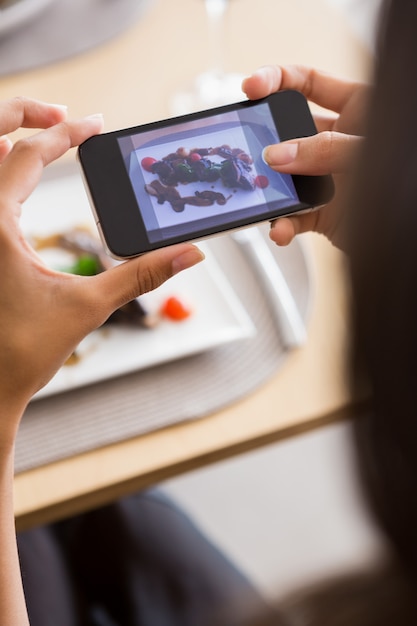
217 316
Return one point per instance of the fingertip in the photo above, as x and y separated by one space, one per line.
62 108
256 85
265 155
5 146
95 116
57 113
244 85
282 231
97 119
186 259
280 154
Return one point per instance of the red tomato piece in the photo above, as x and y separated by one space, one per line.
147 163
261 181
194 156
174 309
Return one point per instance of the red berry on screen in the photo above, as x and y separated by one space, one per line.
147 163
261 181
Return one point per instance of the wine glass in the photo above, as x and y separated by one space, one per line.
213 87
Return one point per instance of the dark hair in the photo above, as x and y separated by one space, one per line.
383 254
382 247
380 597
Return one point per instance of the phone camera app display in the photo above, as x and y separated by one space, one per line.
206 174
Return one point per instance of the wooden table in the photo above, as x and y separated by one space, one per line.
131 80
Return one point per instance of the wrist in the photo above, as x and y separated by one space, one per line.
11 412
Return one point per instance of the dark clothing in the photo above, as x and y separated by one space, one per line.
138 562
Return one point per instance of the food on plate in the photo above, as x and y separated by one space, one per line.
232 167
169 193
90 259
175 309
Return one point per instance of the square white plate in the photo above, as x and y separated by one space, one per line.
217 315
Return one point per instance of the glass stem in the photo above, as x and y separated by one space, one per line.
216 10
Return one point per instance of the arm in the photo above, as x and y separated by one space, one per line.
44 314
339 123
12 602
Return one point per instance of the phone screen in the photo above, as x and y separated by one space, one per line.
198 175
204 174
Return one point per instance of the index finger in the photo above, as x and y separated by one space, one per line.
321 88
29 113
22 168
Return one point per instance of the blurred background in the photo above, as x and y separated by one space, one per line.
165 46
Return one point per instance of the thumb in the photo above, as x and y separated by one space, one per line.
118 285
325 153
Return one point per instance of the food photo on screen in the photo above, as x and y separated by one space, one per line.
205 173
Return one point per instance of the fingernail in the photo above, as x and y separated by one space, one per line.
4 139
280 154
187 259
262 72
94 116
63 107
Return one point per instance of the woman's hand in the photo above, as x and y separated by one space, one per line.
332 151
44 314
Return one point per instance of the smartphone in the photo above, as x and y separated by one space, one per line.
198 175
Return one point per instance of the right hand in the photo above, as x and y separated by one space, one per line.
331 151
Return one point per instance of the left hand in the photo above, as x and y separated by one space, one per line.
44 314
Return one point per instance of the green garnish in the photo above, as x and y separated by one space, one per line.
86 265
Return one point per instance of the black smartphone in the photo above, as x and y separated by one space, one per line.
194 176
